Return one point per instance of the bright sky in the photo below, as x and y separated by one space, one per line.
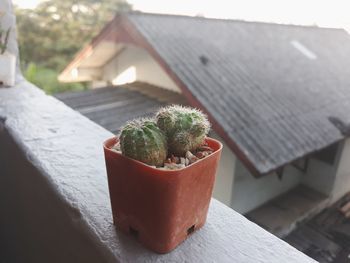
26 3
331 13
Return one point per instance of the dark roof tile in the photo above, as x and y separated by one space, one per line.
111 107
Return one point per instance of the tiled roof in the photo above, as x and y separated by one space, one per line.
111 107
278 91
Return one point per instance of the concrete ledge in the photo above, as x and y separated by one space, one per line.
52 157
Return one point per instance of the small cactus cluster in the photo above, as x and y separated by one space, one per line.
4 39
175 130
185 128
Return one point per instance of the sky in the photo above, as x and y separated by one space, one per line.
327 13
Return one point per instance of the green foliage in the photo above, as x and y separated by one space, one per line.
142 140
46 79
51 34
185 128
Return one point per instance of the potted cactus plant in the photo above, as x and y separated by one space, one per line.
161 174
7 60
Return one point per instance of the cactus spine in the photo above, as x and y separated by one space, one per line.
185 128
142 140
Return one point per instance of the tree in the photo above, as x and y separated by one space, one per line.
52 33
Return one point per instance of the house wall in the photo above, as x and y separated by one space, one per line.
342 177
224 177
147 69
236 187
330 179
250 192
321 176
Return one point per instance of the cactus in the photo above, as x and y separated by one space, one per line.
4 40
142 140
185 128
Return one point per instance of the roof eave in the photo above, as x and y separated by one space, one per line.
105 33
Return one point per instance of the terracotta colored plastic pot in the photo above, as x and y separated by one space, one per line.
160 207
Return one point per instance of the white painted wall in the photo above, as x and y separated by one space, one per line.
342 177
250 192
236 187
147 69
334 180
224 177
320 176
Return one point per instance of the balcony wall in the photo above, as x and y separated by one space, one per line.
55 203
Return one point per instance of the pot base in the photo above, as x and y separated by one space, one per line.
163 248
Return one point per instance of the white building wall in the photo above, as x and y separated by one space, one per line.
250 192
146 68
320 176
330 179
225 175
342 178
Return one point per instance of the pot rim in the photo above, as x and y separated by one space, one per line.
115 138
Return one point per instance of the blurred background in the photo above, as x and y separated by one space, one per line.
52 31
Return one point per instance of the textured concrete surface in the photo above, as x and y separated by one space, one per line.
67 150
35 225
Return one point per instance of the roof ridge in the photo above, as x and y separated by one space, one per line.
140 13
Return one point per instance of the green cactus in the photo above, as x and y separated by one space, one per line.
4 40
185 128
142 140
